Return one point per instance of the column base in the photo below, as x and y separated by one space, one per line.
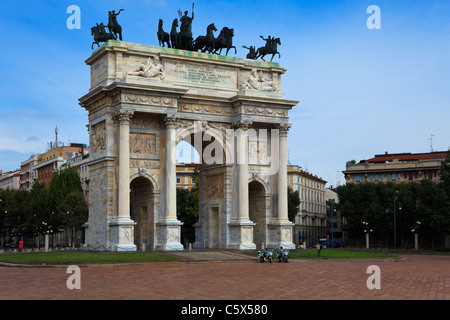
241 235
280 235
122 234
168 234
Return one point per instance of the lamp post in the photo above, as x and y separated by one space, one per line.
416 235
332 233
395 222
366 231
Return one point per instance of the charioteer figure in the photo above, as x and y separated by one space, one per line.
186 29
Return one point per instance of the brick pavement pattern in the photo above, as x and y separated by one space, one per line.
418 277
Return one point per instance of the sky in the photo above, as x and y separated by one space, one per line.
361 90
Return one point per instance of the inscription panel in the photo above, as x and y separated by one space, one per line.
202 75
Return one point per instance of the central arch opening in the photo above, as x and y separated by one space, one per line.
142 211
257 212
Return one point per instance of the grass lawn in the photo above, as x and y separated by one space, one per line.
69 257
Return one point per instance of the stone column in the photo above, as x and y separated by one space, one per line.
122 227
281 229
240 226
242 165
282 173
124 118
169 227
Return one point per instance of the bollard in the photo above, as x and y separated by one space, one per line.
190 246
416 241
46 243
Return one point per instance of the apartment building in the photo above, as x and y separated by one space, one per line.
311 220
396 168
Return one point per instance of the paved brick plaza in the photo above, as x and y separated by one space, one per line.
416 277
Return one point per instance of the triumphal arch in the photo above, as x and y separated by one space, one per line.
143 100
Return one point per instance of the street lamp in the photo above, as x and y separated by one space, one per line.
332 234
395 221
367 231
416 234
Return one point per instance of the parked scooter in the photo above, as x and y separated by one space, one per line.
283 256
265 256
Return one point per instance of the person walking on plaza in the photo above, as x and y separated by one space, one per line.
318 247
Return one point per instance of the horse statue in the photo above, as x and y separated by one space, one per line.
163 37
224 40
113 26
100 35
205 43
270 48
174 38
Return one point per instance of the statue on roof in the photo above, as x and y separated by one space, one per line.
186 29
113 26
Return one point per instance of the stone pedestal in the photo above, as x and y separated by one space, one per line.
241 235
280 235
169 234
122 234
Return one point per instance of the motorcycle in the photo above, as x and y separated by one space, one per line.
265 256
283 257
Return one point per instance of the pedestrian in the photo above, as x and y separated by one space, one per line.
318 247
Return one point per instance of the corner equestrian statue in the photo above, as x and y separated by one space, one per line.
269 48
100 34
113 26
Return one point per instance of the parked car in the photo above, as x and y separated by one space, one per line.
11 245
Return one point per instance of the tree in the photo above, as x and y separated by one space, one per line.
445 172
188 206
66 197
293 204
40 210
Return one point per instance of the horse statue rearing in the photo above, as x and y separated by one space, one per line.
224 40
113 26
270 48
100 35
174 34
163 37
205 43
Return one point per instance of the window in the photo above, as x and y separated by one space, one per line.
178 180
68 155
358 178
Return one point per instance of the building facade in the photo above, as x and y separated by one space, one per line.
396 168
9 180
311 220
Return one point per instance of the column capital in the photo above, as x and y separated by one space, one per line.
242 124
284 128
123 116
170 120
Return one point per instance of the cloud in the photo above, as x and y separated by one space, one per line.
32 139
